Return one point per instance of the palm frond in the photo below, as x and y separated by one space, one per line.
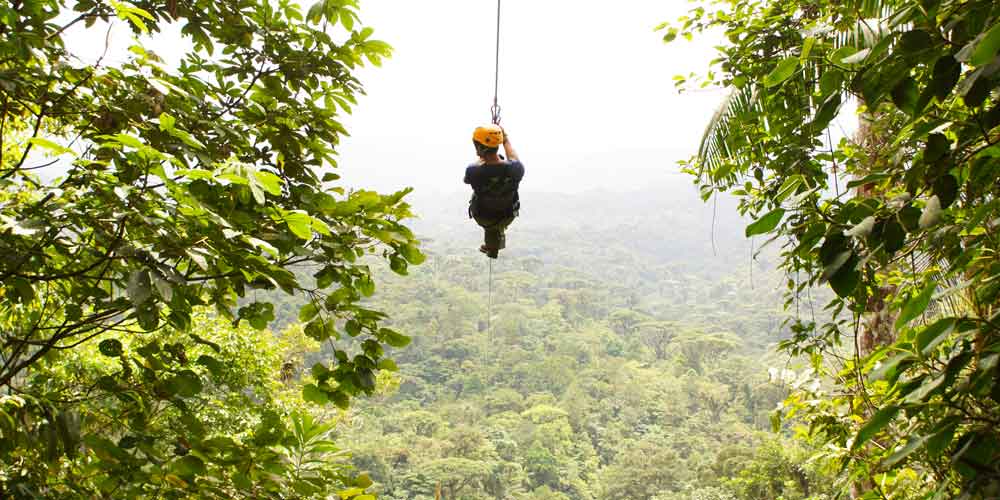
716 144
724 140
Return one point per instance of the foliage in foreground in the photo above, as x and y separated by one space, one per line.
133 193
227 422
909 244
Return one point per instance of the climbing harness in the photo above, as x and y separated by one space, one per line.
495 109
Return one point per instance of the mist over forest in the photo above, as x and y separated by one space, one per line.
595 291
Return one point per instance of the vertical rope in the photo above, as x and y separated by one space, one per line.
489 318
495 109
489 310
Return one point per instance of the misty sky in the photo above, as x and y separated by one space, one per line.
585 86
586 90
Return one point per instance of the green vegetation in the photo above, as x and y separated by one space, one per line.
615 368
188 305
134 195
900 221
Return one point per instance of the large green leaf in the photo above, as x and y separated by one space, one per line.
782 72
913 444
874 425
915 305
930 337
987 47
766 223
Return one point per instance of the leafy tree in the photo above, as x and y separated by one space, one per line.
657 336
899 220
132 194
644 469
168 415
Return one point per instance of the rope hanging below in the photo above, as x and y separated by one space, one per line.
495 109
489 310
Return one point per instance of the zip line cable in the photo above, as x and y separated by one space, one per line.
495 112
495 109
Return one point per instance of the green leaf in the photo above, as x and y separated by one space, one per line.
872 427
105 449
827 112
186 138
912 445
987 47
941 439
308 312
891 368
930 337
783 71
393 338
366 286
148 315
765 224
363 481
187 384
127 140
189 465
340 399
398 265
299 223
352 327
906 95
167 122
412 254
55 148
946 189
846 279
807 47
915 305
892 235
111 348
214 366
946 73
789 187
915 41
259 314
272 183
856 57
924 390
313 394
937 146
315 14
830 82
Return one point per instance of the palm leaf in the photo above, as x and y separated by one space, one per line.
724 140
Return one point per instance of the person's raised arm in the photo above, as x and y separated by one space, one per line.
508 149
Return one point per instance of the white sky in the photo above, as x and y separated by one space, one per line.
586 90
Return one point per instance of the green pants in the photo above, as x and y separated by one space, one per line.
494 229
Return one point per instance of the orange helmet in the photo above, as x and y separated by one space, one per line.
489 136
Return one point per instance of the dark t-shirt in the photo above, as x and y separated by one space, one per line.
495 188
478 175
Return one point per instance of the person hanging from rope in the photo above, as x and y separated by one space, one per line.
494 180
